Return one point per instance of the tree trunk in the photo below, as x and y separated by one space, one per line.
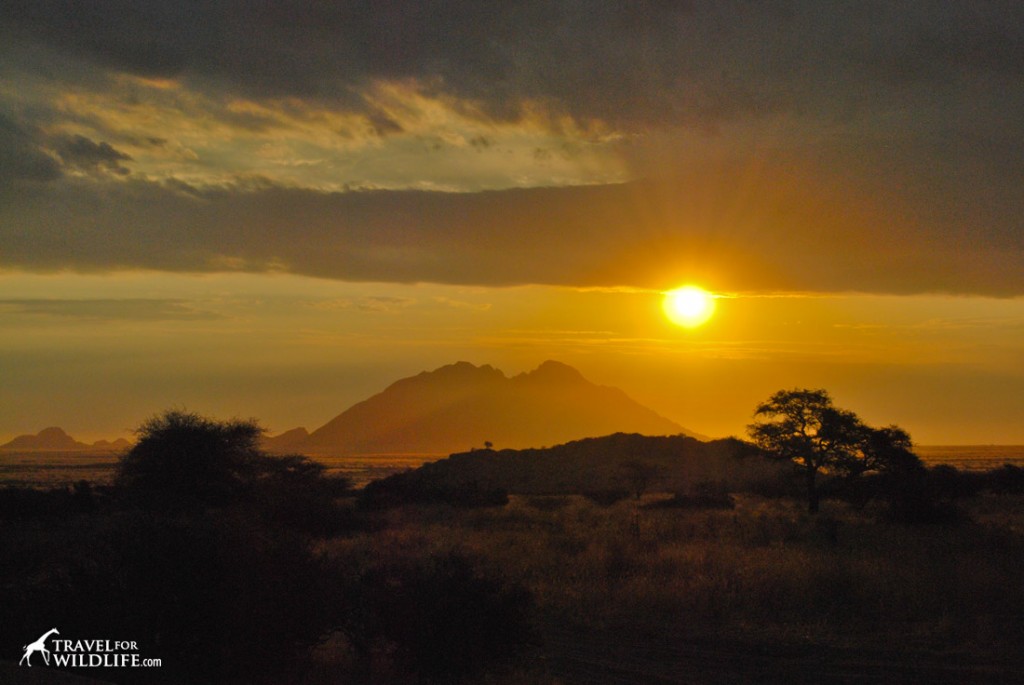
812 490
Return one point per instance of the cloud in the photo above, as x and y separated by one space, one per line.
21 155
462 304
385 304
781 236
131 309
81 153
783 145
647 61
370 303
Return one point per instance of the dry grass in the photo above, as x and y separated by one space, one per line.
620 594
764 572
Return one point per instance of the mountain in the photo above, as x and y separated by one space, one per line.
55 439
285 443
460 406
52 438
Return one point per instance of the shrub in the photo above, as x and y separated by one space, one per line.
182 459
606 498
410 488
1007 479
949 482
548 503
440 618
918 499
217 599
708 500
293 491
18 503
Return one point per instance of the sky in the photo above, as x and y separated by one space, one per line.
277 209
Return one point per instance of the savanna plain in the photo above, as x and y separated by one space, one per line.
284 573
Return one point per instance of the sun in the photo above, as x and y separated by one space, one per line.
688 306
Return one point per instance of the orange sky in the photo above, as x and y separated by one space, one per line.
242 215
296 351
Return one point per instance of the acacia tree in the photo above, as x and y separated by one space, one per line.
182 456
640 475
182 459
803 426
889 450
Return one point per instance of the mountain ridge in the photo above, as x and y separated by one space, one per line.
461 405
54 438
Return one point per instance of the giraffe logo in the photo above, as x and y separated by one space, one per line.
38 646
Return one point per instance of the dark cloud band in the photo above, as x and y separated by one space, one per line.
644 233
893 132
649 61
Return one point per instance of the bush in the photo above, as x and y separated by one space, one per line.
696 501
26 504
1007 479
182 459
293 491
786 483
186 462
439 619
915 511
217 599
548 502
924 497
948 482
408 488
606 498
18 503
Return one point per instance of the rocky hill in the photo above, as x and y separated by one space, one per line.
54 439
460 406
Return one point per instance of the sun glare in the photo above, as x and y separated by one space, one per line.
688 306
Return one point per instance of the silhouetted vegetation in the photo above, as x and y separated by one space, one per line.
607 497
439 618
634 463
506 567
296 492
182 459
803 427
640 475
1006 480
708 499
412 488
549 502
19 503
201 552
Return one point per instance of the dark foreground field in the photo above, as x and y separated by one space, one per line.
759 593
542 589
624 559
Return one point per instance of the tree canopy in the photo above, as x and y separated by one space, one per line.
183 458
803 426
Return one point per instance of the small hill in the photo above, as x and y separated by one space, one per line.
673 463
285 443
52 438
461 405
